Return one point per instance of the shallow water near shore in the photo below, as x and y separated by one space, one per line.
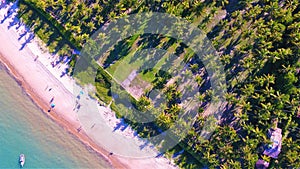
25 129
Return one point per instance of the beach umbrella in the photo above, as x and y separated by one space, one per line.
52 105
81 92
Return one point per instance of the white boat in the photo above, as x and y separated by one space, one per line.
22 160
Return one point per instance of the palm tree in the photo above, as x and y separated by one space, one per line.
91 26
164 121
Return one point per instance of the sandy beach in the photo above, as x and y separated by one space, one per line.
30 64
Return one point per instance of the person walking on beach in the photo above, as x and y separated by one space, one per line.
49 88
52 99
76 104
37 56
79 129
78 107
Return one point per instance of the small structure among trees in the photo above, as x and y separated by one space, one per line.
273 149
261 164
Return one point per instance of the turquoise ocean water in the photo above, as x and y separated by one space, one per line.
25 129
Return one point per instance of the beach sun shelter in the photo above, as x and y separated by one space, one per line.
52 105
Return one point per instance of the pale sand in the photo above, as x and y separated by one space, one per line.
37 77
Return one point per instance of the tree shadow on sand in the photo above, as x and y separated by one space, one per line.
28 40
10 11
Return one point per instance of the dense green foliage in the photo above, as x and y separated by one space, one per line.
259 44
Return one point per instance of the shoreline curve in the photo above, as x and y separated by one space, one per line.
67 126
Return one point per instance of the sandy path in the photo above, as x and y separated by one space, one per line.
42 82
